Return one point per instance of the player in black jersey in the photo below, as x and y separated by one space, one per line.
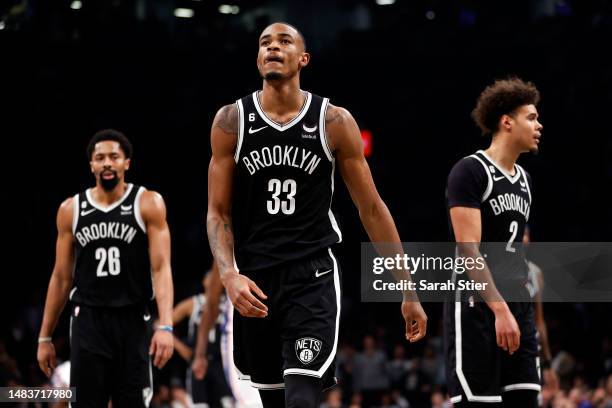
112 251
213 390
491 347
271 179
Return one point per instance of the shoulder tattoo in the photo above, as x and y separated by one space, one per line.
227 120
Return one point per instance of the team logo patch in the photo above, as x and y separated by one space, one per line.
307 349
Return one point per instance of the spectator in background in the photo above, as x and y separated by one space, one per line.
333 399
398 368
371 378
345 369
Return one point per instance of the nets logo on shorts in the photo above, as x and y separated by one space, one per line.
307 349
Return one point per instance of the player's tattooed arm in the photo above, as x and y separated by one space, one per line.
335 115
223 139
240 289
227 119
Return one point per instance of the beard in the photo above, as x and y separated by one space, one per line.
273 76
109 184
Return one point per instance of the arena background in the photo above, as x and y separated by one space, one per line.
409 72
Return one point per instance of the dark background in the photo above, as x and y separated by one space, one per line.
410 72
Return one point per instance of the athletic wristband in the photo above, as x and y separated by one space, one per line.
44 340
165 327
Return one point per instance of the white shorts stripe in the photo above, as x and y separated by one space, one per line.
522 386
459 363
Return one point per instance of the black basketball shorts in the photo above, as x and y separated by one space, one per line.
477 369
300 334
212 389
109 354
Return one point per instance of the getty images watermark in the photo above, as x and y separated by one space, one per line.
437 272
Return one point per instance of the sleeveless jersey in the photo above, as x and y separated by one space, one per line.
283 186
505 203
214 336
111 252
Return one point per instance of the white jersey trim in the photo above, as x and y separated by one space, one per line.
319 373
287 125
75 213
526 182
456 399
489 188
240 129
322 133
330 213
511 179
113 205
137 213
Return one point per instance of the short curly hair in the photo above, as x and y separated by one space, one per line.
110 135
503 97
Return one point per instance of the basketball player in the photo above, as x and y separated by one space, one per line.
212 391
214 309
271 180
113 249
491 346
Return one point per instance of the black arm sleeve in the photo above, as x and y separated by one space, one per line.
466 184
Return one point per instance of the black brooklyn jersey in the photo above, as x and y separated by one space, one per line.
111 252
283 185
504 201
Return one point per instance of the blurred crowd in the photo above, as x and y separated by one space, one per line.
373 371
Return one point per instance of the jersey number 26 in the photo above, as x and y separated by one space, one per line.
110 257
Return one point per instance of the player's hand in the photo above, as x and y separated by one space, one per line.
416 320
507 331
240 292
46 358
199 366
162 347
551 381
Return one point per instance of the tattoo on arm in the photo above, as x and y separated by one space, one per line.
333 116
220 237
228 119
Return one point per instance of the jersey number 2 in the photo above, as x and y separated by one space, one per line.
114 265
513 230
276 188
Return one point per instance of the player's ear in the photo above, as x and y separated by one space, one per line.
304 59
91 166
127 163
506 122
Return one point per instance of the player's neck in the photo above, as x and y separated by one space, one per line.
503 153
107 198
281 97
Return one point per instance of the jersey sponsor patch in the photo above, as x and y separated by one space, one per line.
307 349
309 129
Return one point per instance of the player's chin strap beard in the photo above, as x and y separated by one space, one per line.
273 76
109 184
